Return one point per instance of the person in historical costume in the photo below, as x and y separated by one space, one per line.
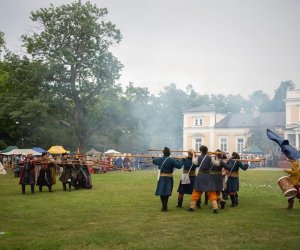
190 168
87 179
216 174
126 163
294 173
66 175
204 181
81 177
2 169
28 173
166 166
16 161
47 173
233 165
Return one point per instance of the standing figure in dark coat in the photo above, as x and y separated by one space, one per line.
165 182
27 176
66 175
188 167
81 177
216 174
204 181
46 176
233 165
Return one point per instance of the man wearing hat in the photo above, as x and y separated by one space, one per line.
165 182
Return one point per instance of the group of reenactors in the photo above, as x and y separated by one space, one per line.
42 172
217 177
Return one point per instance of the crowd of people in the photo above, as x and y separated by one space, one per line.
42 172
217 177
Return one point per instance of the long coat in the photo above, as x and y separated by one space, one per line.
188 165
233 166
166 165
47 174
27 176
204 181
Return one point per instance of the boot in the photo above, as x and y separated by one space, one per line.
23 189
206 199
179 203
224 195
233 200
40 188
237 198
198 203
290 204
222 203
64 186
50 188
164 200
32 188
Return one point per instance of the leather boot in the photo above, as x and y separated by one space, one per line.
179 203
164 200
206 198
40 188
64 186
233 200
198 203
23 189
224 195
32 188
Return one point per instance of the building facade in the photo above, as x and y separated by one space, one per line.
229 132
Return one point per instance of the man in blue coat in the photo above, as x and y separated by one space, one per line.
165 182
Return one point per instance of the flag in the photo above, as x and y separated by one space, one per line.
284 145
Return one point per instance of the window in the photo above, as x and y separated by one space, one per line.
240 144
224 144
198 121
197 142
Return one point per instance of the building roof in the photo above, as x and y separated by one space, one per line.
248 120
203 108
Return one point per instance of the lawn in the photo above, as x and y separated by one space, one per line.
121 212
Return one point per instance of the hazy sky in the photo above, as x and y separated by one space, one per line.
218 46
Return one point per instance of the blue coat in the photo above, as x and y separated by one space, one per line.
165 183
233 166
188 188
204 181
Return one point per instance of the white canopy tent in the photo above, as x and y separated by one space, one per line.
111 151
22 152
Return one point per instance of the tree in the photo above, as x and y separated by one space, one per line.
2 42
74 43
261 100
280 95
24 106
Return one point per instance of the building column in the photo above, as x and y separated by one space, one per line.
297 140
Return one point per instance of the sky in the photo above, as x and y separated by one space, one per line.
217 46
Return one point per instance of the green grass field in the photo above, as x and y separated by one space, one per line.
121 212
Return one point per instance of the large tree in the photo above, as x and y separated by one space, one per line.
280 95
74 41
